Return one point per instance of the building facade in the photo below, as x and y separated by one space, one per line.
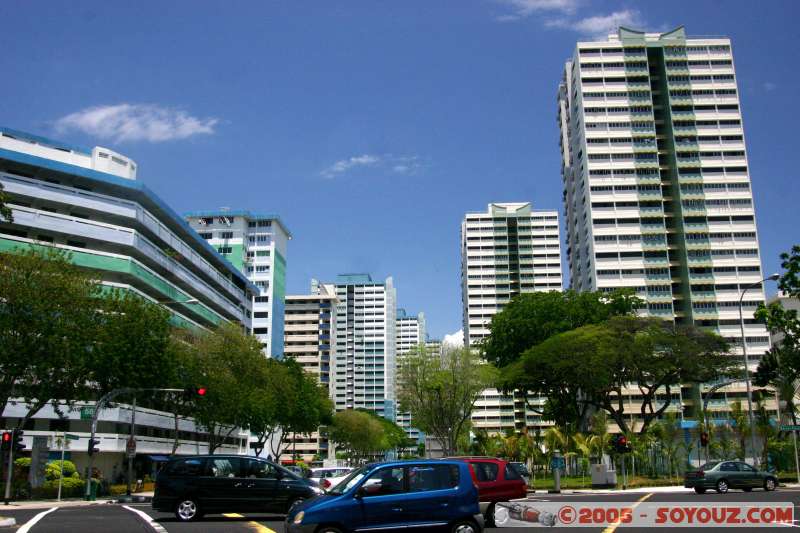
657 193
256 245
508 250
364 360
88 202
310 339
410 334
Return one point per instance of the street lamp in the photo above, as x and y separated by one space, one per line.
773 277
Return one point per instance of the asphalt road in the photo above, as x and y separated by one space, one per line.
140 518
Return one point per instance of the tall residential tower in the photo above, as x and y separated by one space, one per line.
256 245
410 334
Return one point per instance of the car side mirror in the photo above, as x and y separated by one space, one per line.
369 489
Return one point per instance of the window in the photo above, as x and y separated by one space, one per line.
262 299
226 235
225 250
728 467
187 467
254 468
511 473
485 471
432 477
392 481
205 236
224 467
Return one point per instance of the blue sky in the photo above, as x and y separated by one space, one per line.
370 127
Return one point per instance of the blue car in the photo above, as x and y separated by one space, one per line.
394 495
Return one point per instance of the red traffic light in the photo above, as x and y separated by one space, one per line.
201 391
623 440
6 438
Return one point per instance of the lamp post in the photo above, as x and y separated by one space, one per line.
773 277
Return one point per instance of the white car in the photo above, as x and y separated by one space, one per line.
328 478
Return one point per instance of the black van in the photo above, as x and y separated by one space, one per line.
199 484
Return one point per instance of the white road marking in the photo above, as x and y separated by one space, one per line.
147 518
32 522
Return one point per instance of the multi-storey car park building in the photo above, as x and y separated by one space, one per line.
256 245
657 191
508 250
364 359
410 334
310 339
89 203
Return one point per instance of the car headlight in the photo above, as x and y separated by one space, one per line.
298 517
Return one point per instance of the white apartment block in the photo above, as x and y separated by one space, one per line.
508 250
256 245
657 194
309 339
410 334
363 365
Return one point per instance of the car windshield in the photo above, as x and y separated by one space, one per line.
350 481
520 468
709 466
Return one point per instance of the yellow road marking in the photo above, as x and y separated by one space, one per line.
232 515
615 525
260 528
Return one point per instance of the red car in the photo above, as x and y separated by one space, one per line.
497 481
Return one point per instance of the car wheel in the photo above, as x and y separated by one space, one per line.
488 518
295 502
770 484
187 510
329 529
464 526
722 486
700 490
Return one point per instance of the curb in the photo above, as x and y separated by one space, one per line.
7 522
134 499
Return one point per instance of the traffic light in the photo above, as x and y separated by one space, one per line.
621 444
17 440
6 440
92 448
704 439
193 393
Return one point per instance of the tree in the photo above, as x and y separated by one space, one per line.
590 366
232 367
440 392
48 323
5 211
364 434
741 427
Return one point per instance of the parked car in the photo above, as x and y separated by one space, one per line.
497 481
329 477
724 475
193 486
394 495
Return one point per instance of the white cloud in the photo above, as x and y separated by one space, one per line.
454 340
408 165
136 122
600 26
526 8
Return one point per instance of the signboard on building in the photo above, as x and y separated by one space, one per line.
130 447
87 412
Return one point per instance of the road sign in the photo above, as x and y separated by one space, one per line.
130 447
790 427
558 463
87 412
70 436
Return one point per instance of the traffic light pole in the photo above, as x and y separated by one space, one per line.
101 403
7 494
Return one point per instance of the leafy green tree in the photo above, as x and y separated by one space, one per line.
590 366
364 434
5 211
440 392
741 427
48 324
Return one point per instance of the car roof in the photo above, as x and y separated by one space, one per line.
416 462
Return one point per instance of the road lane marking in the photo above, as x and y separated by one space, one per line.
32 522
232 515
615 525
260 528
147 518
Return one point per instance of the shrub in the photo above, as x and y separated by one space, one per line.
53 470
73 487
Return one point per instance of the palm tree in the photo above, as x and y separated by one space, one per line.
741 427
668 432
600 438
583 449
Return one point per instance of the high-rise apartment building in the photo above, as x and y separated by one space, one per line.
656 183
363 365
309 339
88 202
657 193
256 245
508 250
410 334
